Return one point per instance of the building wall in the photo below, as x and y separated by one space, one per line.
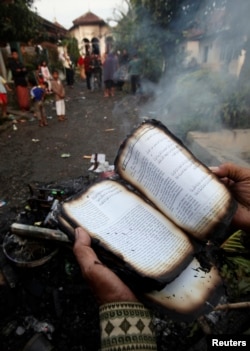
89 32
191 49
211 53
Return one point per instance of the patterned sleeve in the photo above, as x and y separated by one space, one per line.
126 326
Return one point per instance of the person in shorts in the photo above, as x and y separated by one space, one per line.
37 94
59 91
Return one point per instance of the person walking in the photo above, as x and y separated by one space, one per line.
59 91
88 70
96 71
110 67
122 72
19 73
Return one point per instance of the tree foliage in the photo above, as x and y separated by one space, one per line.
154 29
18 22
72 48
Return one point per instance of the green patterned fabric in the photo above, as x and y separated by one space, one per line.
126 326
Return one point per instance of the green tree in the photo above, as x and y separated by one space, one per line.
142 38
155 29
72 48
18 22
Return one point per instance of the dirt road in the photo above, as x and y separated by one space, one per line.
30 153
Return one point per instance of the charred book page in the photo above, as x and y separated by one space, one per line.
193 293
155 162
130 228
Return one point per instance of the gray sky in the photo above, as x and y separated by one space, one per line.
67 11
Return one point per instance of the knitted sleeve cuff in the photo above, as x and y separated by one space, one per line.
126 326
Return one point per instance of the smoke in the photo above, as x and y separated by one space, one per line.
200 93
201 89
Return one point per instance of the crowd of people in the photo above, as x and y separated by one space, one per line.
108 73
32 89
111 71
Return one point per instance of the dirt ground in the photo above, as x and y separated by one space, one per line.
53 298
32 153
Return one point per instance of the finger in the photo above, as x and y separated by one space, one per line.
82 237
231 171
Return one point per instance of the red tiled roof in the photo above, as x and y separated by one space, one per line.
87 19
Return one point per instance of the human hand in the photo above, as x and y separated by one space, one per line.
237 179
105 284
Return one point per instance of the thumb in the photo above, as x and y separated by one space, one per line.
82 237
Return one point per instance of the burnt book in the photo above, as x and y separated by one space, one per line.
153 218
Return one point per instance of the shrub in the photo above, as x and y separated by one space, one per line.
207 101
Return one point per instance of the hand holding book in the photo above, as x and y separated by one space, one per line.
106 285
237 179
155 216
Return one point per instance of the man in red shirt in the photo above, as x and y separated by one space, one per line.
88 70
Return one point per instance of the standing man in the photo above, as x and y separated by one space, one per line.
134 69
110 67
80 64
69 70
19 73
88 70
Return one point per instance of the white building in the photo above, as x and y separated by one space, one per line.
92 33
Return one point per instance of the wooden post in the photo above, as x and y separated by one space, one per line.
35 232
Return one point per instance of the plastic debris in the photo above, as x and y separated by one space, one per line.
14 127
99 164
65 155
2 203
40 327
20 330
35 140
11 117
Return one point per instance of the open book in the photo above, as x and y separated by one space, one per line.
153 215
